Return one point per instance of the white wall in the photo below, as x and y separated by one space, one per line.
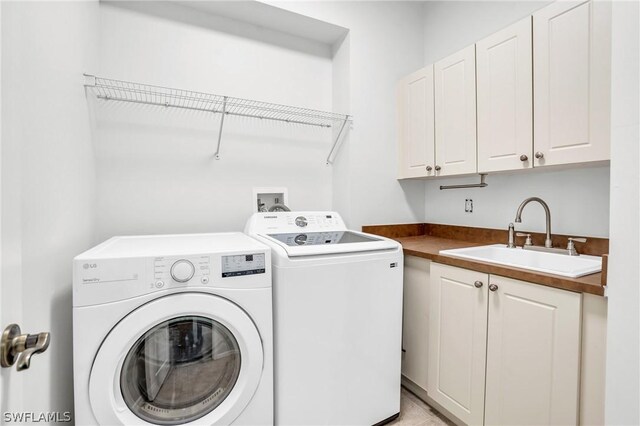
385 43
452 25
578 198
156 171
47 186
341 201
76 171
153 170
623 327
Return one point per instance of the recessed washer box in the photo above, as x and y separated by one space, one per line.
267 197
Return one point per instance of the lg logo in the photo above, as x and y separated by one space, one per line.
90 265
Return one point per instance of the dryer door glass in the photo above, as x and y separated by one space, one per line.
180 370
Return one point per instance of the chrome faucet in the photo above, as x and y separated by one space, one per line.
547 242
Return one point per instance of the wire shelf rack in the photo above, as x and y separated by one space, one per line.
126 91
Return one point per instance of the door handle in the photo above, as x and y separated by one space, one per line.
18 348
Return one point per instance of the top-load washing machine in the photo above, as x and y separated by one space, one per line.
337 319
173 329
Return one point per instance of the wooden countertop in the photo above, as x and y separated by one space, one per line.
429 246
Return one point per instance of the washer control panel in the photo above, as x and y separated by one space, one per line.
289 222
314 220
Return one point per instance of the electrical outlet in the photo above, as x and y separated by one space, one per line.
468 205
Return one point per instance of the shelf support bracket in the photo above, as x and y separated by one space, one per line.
89 80
335 143
224 112
482 184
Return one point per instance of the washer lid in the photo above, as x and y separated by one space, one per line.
180 359
329 242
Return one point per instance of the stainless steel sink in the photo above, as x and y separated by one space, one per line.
551 263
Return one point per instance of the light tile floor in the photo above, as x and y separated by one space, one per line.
414 412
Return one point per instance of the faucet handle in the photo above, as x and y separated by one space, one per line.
577 239
511 243
571 248
528 241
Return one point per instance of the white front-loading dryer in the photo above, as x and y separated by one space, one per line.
173 330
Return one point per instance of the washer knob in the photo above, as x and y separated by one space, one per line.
301 221
182 271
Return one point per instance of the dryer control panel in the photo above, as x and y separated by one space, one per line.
181 269
243 264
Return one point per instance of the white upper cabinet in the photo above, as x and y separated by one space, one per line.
455 100
543 98
533 354
572 77
505 116
416 125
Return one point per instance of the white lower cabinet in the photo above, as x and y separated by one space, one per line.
458 341
415 320
533 354
502 351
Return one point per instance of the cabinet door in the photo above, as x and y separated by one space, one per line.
572 79
455 83
415 321
458 341
505 120
533 354
416 124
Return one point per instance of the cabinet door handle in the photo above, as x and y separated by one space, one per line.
539 155
493 287
524 158
478 284
438 168
429 168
